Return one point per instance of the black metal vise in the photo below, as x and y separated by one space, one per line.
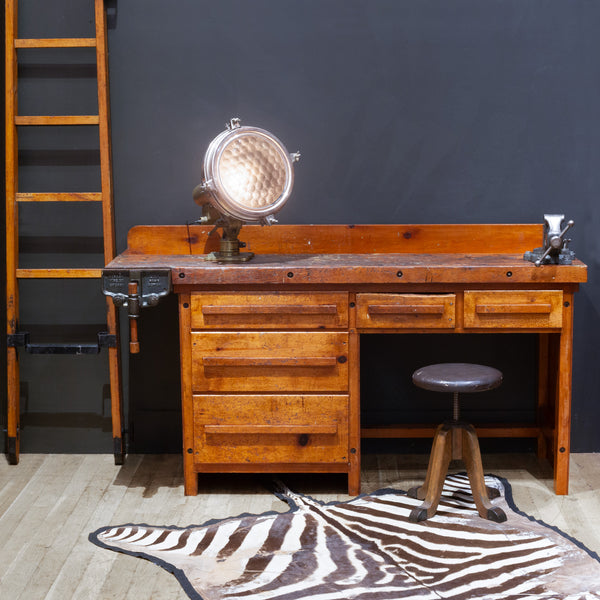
135 290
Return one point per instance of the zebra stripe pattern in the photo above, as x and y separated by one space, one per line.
367 549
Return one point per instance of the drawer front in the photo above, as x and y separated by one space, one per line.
270 429
269 311
518 309
409 311
269 361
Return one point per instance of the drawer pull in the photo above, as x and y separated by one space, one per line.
262 361
521 309
255 309
406 309
245 429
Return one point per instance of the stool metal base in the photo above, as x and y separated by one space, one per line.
455 440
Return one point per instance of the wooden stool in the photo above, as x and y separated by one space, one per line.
455 440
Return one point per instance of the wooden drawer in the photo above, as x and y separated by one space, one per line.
410 311
269 310
513 309
270 429
269 361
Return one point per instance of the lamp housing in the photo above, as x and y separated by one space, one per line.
248 176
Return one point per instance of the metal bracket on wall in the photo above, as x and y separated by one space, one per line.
21 340
135 290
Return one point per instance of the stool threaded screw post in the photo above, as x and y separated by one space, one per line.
455 407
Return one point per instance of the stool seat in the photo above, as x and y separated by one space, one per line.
457 377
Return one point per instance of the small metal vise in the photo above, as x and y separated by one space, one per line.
555 250
135 290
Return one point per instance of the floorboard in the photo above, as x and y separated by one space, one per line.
50 503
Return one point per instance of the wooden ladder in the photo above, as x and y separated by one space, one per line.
16 338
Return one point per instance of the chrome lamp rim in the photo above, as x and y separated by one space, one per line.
220 193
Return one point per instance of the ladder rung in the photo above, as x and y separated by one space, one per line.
58 120
56 43
59 273
60 197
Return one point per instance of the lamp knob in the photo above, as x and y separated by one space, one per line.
234 123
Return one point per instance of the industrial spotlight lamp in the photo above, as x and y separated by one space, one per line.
247 177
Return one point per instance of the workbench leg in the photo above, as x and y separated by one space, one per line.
353 403
562 443
354 481
190 477
543 397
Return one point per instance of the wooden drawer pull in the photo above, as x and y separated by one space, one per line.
523 309
255 309
245 429
406 309
262 361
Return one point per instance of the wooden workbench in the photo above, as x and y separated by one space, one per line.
270 349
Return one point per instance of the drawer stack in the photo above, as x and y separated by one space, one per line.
467 311
463 311
269 381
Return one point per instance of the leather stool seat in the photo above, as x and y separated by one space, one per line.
457 377
455 440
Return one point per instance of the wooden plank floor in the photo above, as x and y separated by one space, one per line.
50 503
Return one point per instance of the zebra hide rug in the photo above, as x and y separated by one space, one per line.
366 549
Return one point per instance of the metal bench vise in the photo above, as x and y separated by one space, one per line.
135 290
555 250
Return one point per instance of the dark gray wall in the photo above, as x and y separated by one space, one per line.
405 111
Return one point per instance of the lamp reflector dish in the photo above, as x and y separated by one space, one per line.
252 171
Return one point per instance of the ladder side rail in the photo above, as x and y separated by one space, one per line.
12 239
112 316
104 132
